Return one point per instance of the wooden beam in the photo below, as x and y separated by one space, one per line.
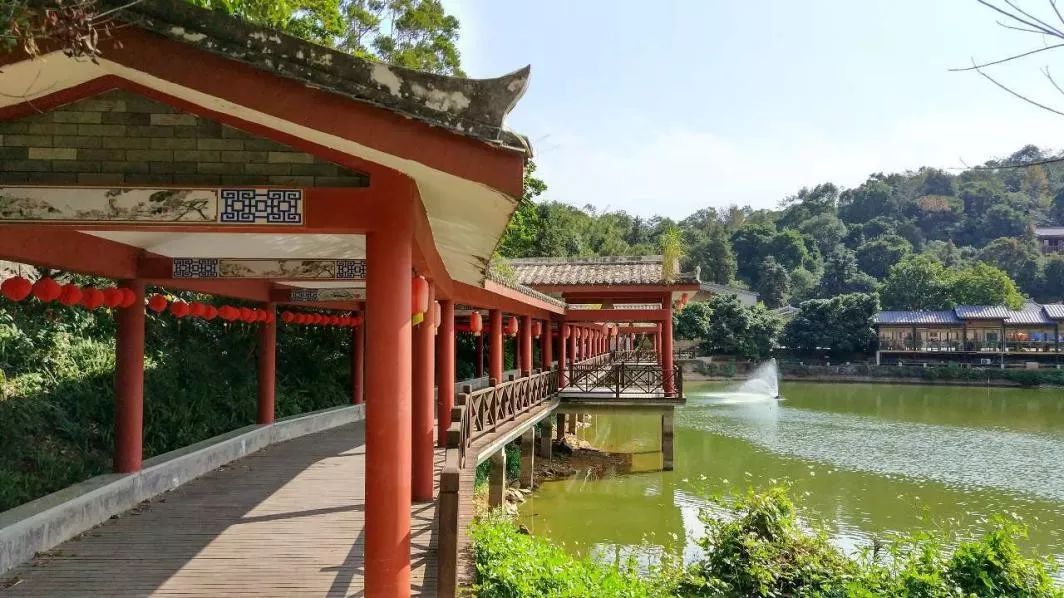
618 315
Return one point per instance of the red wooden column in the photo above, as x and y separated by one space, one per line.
267 370
495 346
586 352
358 364
563 345
424 400
129 383
666 355
526 345
388 421
480 355
445 369
657 341
546 348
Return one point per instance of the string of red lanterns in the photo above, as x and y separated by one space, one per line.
316 319
47 290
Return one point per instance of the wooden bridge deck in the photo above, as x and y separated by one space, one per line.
286 521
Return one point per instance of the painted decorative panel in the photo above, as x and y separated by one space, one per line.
328 294
273 269
152 206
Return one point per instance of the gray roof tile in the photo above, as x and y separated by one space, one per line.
620 270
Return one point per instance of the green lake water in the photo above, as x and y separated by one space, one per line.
864 460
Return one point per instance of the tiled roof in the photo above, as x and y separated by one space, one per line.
520 288
917 317
983 312
621 270
1032 314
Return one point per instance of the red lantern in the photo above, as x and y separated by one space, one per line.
16 288
228 313
91 298
263 315
511 326
299 318
210 313
197 309
179 309
112 297
287 317
157 303
318 319
579 332
70 295
46 289
128 298
419 295
613 331
566 332
537 328
244 314
476 323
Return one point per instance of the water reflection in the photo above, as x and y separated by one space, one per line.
864 459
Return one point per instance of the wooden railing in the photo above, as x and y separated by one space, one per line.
624 377
477 414
583 368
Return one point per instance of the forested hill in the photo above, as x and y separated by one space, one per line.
824 241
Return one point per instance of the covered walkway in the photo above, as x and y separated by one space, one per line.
288 520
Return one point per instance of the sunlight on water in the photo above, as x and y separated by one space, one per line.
863 460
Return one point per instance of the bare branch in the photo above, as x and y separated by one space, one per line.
1055 31
976 67
1016 18
1053 3
1017 94
1045 71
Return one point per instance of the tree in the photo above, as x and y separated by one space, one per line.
525 227
842 275
917 282
841 325
75 27
417 34
751 244
692 322
772 282
983 284
1053 285
803 285
737 329
318 21
874 197
1018 257
788 247
877 256
826 230
714 255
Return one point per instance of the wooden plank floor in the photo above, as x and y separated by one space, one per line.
286 521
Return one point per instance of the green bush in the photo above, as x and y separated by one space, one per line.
510 564
761 548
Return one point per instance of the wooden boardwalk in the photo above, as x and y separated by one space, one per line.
286 521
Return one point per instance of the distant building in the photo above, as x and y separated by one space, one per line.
973 333
709 289
1051 239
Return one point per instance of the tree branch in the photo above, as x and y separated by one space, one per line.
976 67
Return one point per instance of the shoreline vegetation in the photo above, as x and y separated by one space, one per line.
761 547
888 374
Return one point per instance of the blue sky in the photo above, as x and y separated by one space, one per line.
696 103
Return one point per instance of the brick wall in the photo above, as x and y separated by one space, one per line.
121 138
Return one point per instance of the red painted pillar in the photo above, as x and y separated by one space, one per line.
546 348
388 420
576 344
129 383
358 364
267 354
666 355
424 403
526 345
445 369
480 355
563 365
495 346
586 353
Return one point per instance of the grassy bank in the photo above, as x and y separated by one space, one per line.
57 396
861 372
761 548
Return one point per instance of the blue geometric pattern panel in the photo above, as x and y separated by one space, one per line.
351 269
261 206
185 267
